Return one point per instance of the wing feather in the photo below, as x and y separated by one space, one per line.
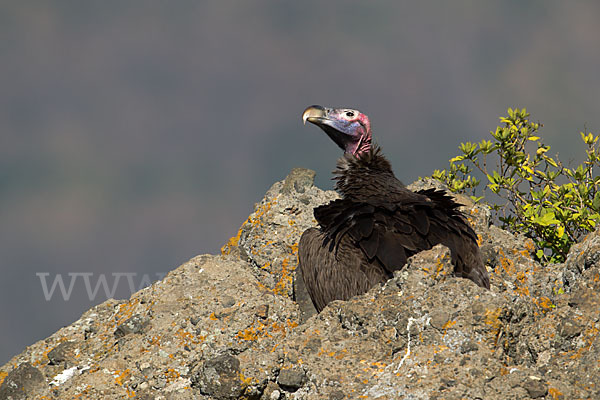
389 233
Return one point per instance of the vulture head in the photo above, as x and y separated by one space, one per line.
349 129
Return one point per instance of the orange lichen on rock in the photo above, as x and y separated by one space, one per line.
506 264
155 340
555 393
48 349
186 338
121 376
254 219
125 311
492 320
171 375
544 303
283 286
253 332
259 330
589 335
247 381
448 324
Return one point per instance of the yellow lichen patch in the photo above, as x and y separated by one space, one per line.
439 266
530 246
337 354
522 290
82 393
266 266
247 381
171 375
155 340
555 393
259 330
521 284
447 325
589 335
254 332
233 241
544 303
291 324
440 348
491 319
121 377
124 312
278 328
341 354
283 286
186 338
254 219
3 376
506 264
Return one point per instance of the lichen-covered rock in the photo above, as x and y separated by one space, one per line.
269 237
226 326
219 378
66 353
291 379
582 256
22 382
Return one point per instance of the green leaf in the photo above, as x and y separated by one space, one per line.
540 254
551 161
596 202
547 219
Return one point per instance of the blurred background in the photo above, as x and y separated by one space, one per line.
136 135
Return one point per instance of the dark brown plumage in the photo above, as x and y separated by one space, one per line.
378 223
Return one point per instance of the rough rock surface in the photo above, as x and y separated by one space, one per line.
226 326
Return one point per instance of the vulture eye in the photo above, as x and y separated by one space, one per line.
349 114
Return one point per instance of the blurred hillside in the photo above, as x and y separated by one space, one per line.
134 136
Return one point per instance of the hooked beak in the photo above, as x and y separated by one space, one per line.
314 114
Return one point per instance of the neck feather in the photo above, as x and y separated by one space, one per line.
370 169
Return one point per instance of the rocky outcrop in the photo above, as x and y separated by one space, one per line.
227 326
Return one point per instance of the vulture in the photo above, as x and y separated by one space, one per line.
378 223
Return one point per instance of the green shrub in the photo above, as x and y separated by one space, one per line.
553 204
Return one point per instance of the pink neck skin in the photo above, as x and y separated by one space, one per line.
364 144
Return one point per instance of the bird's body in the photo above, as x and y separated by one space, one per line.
377 224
